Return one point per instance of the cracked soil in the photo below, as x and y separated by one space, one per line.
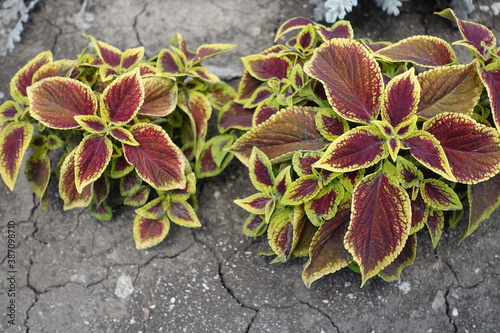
76 274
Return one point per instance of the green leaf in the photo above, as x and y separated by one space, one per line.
120 167
351 77
380 223
327 253
150 232
284 231
14 140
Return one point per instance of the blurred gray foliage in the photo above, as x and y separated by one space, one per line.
333 10
13 15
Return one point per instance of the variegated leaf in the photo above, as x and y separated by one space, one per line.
261 171
439 196
139 198
123 98
284 231
181 213
426 149
290 130
302 162
419 214
435 225
380 223
324 205
449 89
157 159
198 108
425 51
301 190
330 124
120 167
92 124
484 199
9 111
477 37
14 140
150 232
56 101
130 184
91 159
210 50
131 57
472 149
234 115
359 148
108 53
123 135
327 252
160 96
491 80
63 68
37 171
340 29
405 258
153 209
408 172
400 99
254 204
351 77
292 24
266 67
24 77
67 188
254 226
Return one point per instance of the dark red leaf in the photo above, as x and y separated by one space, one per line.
157 159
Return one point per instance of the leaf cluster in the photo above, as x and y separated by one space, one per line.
117 128
355 145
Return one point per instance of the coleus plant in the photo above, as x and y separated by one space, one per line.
354 145
124 129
